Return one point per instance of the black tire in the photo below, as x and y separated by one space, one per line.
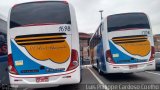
81 76
157 68
98 69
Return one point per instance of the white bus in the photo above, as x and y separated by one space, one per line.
43 45
123 43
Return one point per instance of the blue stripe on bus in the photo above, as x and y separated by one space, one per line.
100 55
123 58
28 64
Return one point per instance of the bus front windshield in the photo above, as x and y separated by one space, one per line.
48 12
127 21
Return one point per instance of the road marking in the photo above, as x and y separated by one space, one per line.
153 73
98 79
86 66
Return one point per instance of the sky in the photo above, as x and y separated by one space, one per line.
88 15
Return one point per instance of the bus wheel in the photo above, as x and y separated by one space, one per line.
99 70
80 76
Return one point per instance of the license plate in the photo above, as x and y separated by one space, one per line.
42 79
132 66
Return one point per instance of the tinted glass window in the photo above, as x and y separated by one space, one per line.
157 55
3 26
40 13
3 38
127 21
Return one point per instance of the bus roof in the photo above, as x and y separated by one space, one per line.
123 13
30 1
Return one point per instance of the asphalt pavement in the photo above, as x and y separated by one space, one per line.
91 80
148 80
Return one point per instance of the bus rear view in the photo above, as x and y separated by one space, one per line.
43 45
131 46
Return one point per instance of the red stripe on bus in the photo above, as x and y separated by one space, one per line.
128 29
131 64
44 76
41 24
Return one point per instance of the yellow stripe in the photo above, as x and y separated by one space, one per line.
39 37
38 41
130 38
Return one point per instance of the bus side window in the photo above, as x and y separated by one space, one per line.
100 31
94 41
98 36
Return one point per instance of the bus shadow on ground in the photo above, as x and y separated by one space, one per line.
123 77
64 87
157 69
